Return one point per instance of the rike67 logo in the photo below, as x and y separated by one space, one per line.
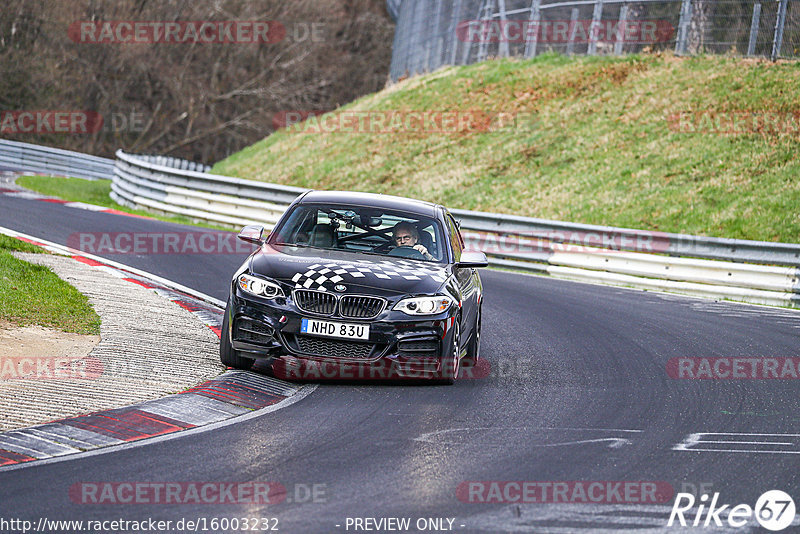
774 510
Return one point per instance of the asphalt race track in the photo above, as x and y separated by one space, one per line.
578 392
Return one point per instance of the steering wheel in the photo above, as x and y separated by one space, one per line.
406 252
383 248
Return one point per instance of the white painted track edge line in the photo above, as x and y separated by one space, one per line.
301 393
73 252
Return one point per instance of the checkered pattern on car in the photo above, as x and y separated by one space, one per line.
334 273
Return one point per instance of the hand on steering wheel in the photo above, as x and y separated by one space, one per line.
419 247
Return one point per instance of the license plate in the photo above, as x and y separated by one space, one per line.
315 327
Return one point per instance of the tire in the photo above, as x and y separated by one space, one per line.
474 347
227 355
452 364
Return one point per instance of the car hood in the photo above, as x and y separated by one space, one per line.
313 268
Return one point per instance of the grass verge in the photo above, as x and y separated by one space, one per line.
602 146
33 295
96 192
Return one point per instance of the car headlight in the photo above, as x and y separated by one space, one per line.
259 286
424 305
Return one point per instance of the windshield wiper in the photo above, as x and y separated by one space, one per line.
386 255
305 245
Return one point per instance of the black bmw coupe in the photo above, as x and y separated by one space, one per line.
356 286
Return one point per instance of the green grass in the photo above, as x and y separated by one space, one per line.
9 243
34 295
96 192
71 189
599 149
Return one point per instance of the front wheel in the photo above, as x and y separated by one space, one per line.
451 362
227 355
474 345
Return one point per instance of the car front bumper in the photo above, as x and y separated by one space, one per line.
400 346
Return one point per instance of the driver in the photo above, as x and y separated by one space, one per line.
405 234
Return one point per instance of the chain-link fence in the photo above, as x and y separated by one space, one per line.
432 33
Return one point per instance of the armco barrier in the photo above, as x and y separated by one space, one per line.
154 184
566 233
618 256
18 156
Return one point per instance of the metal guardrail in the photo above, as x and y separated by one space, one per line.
563 234
154 184
175 163
750 271
619 256
53 161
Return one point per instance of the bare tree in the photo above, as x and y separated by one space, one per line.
195 100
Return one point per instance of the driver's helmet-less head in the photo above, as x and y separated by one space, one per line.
405 233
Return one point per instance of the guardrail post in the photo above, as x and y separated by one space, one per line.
435 59
454 21
683 27
468 48
621 29
427 61
573 22
503 49
418 40
487 14
594 29
754 24
780 21
532 40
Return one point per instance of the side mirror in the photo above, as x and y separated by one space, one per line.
473 259
252 234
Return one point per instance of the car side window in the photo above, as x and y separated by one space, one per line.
456 243
428 237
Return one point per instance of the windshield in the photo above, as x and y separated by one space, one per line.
363 230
